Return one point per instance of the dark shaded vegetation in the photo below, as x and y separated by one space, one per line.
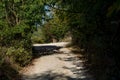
7 71
95 27
99 36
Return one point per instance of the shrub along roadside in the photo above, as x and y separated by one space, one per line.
17 19
19 55
6 66
15 50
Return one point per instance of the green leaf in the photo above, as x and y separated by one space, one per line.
17 1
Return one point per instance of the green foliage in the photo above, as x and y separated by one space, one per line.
37 40
55 29
17 18
19 55
37 36
7 71
8 35
3 50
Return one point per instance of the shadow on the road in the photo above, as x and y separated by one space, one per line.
48 75
44 50
80 69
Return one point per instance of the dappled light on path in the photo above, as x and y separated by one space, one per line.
59 66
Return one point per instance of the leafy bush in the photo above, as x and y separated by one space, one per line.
2 54
7 71
54 31
38 36
19 37
37 40
20 32
20 55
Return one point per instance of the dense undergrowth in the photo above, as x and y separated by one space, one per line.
17 22
15 51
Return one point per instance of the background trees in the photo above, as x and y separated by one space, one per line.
55 29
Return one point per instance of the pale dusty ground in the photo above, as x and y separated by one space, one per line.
59 66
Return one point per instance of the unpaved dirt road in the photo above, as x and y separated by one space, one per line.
59 66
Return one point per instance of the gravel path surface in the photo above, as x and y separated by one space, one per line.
59 66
